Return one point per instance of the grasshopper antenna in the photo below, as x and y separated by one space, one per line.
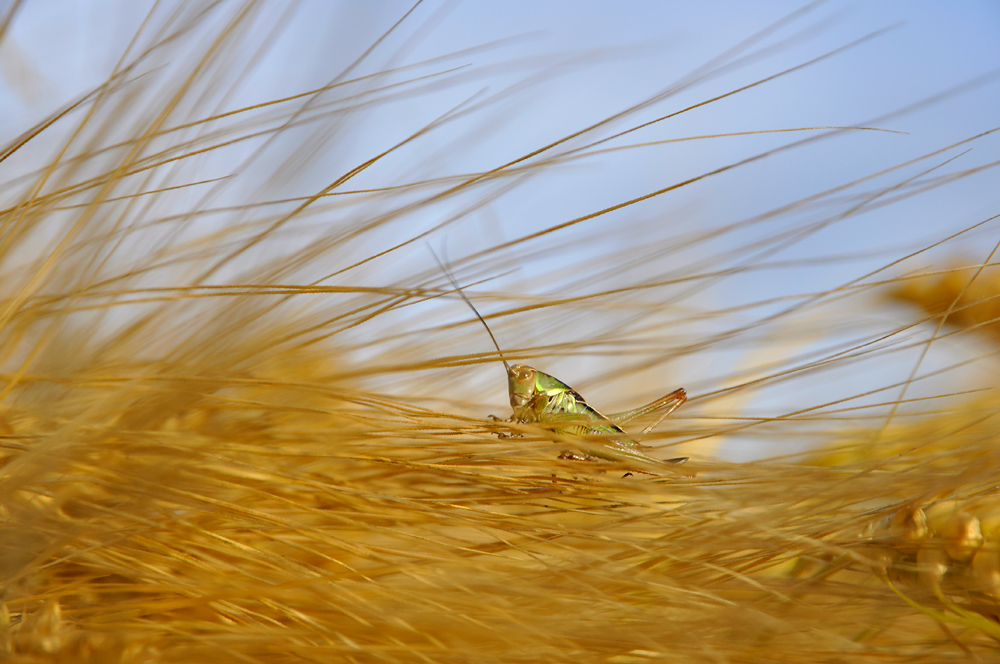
458 288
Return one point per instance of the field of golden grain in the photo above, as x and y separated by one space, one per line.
243 413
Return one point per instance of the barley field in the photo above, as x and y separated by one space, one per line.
244 413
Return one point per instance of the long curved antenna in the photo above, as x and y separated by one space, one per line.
471 306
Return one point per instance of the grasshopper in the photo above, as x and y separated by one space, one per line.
538 397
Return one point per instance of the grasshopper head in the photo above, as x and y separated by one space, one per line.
521 385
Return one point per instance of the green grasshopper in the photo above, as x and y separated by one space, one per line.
537 397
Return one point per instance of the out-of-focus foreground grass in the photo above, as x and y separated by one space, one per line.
228 432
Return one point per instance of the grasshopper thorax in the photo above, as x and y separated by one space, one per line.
521 385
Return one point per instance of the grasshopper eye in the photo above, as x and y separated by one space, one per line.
522 374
